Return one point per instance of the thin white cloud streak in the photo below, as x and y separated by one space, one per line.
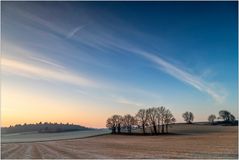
196 82
182 75
43 60
171 69
122 100
74 31
21 68
10 51
40 21
53 37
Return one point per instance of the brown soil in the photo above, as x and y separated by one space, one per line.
220 144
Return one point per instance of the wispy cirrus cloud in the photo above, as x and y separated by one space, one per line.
178 73
126 101
108 39
46 61
75 30
29 64
33 71
182 75
116 43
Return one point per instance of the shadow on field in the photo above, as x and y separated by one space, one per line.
149 134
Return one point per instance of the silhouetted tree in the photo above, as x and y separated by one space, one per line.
168 118
211 118
161 116
152 118
114 123
188 117
142 118
226 116
128 122
118 121
232 118
111 125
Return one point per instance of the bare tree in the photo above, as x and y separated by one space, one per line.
211 118
161 117
188 117
142 118
114 123
110 123
158 118
128 122
118 119
152 118
168 118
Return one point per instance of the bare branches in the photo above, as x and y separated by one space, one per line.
128 122
150 120
211 118
142 118
188 117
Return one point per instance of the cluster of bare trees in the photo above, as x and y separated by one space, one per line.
154 120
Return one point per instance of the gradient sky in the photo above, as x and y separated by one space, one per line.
81 62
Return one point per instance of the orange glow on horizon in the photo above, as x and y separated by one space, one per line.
20 105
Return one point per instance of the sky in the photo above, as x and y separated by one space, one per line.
81 62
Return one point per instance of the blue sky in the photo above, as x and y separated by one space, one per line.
94 59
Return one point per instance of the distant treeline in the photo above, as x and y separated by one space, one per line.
43 128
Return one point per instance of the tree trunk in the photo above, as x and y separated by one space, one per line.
167 128
158 125
151 129
130 129
159 128
113 130
118 127
155 128
143 128
162 131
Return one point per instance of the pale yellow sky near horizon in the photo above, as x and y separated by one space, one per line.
19 106
22 104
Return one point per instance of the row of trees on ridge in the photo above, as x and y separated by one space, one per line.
223 114
46 127
155 118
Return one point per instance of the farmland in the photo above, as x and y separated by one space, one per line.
35 136
187 141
